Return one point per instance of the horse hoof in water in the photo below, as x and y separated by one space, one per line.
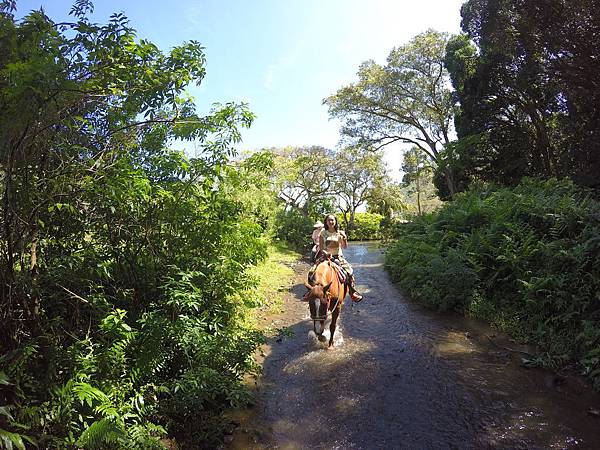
321 338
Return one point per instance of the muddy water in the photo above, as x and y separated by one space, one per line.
401 377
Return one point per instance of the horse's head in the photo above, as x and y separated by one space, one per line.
318 299
317 291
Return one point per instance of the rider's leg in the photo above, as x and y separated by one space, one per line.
311 274
356 296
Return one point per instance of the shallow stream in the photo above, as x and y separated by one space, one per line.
402 377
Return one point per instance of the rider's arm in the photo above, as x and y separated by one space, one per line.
344 242
321 242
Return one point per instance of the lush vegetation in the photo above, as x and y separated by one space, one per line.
407 100
123 263
525 259
314 181
128 269
367 226
273 277
295 228
524 74
519 86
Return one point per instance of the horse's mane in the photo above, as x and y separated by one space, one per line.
326 277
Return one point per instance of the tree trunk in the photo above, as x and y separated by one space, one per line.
351 223
450 183
419 193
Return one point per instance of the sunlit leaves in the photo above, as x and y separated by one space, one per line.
524 259
406 100
123 258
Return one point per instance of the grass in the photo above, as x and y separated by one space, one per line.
274 277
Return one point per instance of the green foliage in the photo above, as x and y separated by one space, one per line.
525 259
386 198
356 171
294 228
518 73
273 276
122 261
303 178
367 226
407 100
418 188
314 181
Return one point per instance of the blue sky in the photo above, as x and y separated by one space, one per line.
282 57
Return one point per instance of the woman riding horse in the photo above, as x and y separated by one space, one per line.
329 285
332 240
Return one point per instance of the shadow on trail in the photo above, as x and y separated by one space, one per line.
407 378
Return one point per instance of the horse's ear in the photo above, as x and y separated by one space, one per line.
326 288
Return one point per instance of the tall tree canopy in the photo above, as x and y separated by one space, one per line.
355 171
527 90
407 100
316 180
302 176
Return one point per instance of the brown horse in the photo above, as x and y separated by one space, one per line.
326 296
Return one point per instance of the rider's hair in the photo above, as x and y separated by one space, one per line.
336 222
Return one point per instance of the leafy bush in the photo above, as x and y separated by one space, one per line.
294 228
366 226
122 261
525 259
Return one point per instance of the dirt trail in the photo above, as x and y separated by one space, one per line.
401 377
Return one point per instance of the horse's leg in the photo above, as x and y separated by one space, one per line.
334 316
314 312
322 325
318 308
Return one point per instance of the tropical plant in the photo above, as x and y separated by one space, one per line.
367 226
121 260
524 259
524 74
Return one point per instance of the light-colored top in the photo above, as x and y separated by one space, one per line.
316 234
334 242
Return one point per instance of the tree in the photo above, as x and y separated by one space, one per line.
526 90
416 171
355 171
303 177
122 261
386 198
407 100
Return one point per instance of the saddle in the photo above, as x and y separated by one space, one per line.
340 272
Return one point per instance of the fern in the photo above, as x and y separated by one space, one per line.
525 259
101 432
11 440
146 437
89 394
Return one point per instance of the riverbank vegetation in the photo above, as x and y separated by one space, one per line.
516 242
123 262
131 272
525 259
